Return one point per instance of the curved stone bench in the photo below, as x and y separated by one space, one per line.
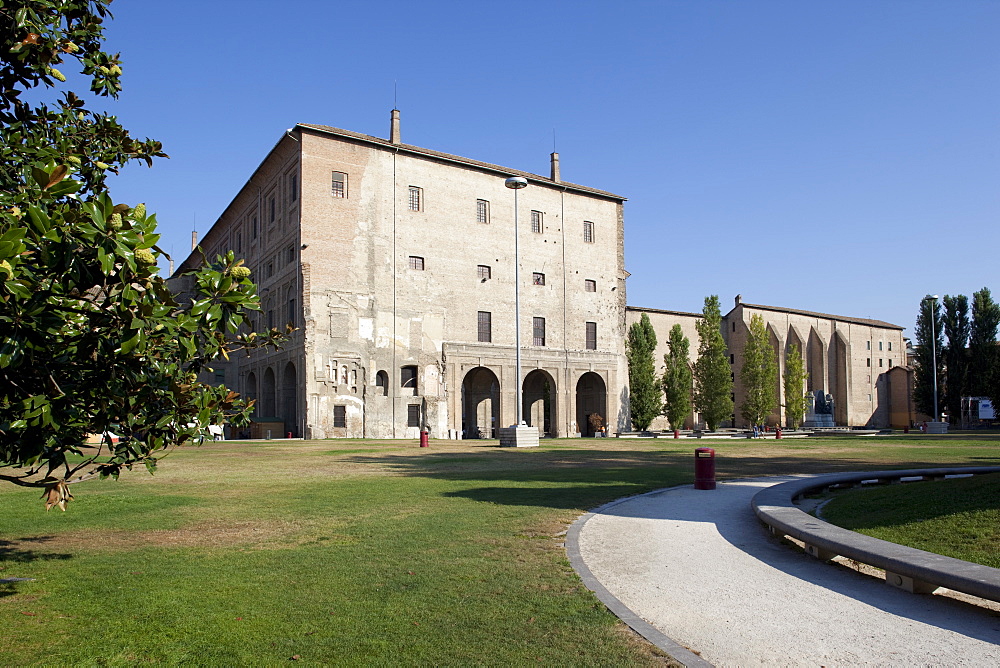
911 569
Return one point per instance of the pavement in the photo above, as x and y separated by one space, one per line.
697 574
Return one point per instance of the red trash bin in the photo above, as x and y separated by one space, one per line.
424 436
704 468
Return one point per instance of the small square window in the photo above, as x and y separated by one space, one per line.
536 222
538 331
591 336
589 285
413 415
340 416
484 272
588 232
416 263
537 279
408 377
416 201
485 327
482 211
338 184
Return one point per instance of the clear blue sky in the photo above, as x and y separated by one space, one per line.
841 156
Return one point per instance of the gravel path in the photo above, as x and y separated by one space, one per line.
700 568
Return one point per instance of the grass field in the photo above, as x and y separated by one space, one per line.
958 518
359 552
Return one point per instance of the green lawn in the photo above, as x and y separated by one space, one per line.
359 552
958 518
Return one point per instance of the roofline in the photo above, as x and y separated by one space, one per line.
456 159
814 314
644 309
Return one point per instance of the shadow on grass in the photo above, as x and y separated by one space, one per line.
15 553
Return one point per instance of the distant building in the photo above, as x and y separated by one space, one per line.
847 358
395 263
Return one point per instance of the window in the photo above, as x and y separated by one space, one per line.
338 186
734 326
890 362
416 263
413 415
485 327
271 210
589 285
538 331
880 361
239 242
868 345
890 346
340 416
537 279
588 232
536 222
290 255
732 359
869 397
868 361
253 227
484 272
482 211
269 269
408 377
270 318
381 383
293 187
291 312
880 345
591 336
416 198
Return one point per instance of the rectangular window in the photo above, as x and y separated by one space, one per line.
591 336
589 285
239 242
340 416
869 397
416 263
588 232
290 255
537 279
880 361
536 222
482 211
880 345
483 272
416 198
271 209
253 227
868 345
293 187
408 377
890 346
485 327
291 312
413 415
890 362
538 331
270 318
732 359
338 186
868 361
269 269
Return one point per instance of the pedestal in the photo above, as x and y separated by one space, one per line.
937 427
519 436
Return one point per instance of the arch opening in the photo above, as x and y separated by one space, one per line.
591 399
480 403
538 402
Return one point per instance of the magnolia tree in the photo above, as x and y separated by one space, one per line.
93 341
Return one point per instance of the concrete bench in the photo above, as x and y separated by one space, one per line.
908 568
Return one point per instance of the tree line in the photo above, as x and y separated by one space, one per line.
706 386
963 343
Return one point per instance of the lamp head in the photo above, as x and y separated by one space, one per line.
516 182
934 297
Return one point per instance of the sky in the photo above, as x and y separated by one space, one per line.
841 157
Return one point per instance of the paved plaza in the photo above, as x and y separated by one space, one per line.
700 570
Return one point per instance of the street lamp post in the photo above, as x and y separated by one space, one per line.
516 183
933 299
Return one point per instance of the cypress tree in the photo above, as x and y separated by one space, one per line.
677 378
984 359
956 355
759 374
644 391
796 402
713 385
929 318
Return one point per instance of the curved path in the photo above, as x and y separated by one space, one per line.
697 567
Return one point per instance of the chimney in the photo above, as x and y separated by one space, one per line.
394 129
554 157
739 299
171 267
194 239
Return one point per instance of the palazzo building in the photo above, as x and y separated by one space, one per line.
396 264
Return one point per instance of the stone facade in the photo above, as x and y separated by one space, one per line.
396 264
847 358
